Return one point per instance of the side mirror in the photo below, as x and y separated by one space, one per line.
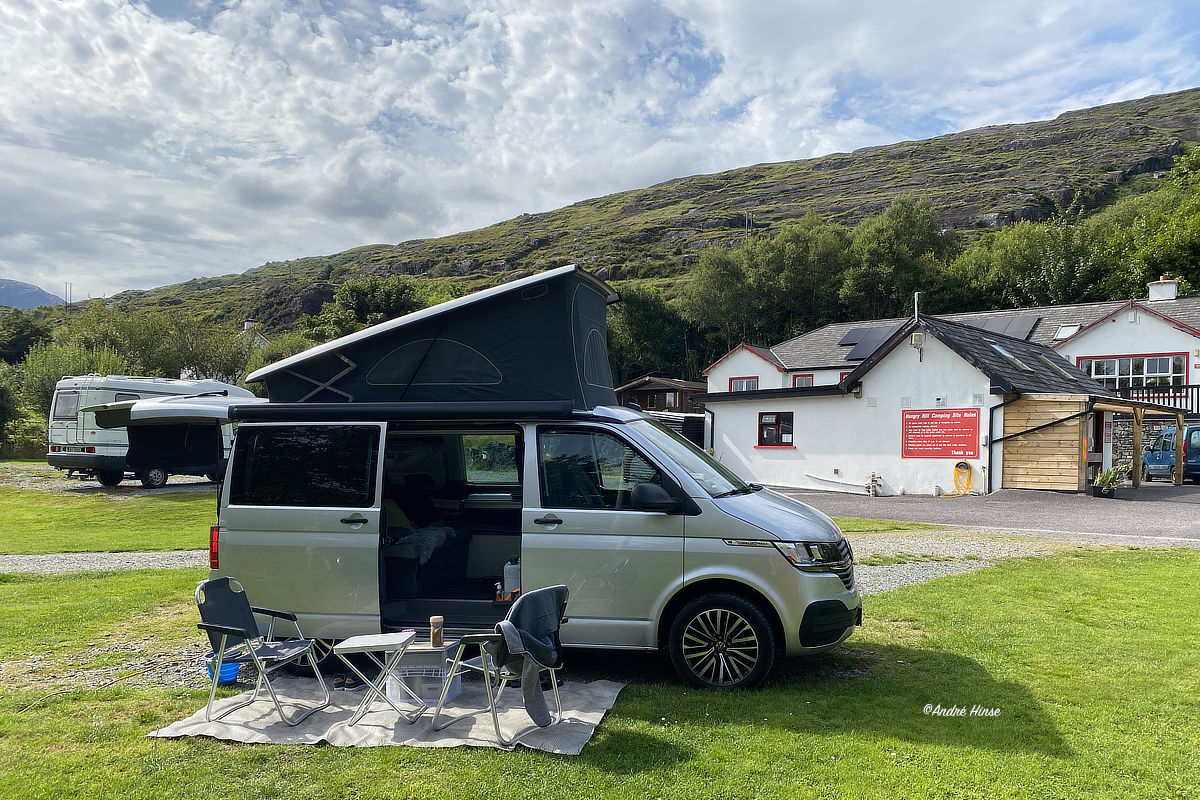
652 497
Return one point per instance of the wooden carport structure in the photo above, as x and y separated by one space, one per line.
1046 444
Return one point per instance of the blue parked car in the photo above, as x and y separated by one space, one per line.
1159 458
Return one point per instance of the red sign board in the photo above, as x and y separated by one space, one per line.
939 433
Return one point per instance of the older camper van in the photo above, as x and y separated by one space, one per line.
86 450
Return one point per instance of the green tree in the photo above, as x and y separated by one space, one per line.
720 301
362 303
646 334
48 362
893 255
20 329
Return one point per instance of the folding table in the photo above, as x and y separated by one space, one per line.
392 645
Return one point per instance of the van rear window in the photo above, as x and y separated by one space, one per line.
326 466
66 405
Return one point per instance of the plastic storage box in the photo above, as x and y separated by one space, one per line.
424 669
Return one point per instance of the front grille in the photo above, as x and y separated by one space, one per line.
846 573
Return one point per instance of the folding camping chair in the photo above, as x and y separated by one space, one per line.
526 640
228 619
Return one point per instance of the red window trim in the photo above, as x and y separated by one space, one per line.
774 447
1187 360
812 379
842 376
745 378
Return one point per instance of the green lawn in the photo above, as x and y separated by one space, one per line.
44 522
1089 656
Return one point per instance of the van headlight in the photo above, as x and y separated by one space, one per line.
814 556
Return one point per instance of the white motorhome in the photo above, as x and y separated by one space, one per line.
84 449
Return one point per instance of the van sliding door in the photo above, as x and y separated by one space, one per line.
300 522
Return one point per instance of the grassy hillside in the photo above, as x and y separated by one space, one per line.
978 180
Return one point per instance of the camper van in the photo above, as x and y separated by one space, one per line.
84 449
443 462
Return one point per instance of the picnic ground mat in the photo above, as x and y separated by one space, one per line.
584 706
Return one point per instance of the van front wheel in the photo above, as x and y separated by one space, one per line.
722 641
110 477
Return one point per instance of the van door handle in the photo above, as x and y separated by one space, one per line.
353 520
548 520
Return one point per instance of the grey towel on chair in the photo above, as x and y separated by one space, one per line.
538 612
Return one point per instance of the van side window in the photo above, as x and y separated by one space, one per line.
123 396
305 465
66 405
589 469
490 458
1193 443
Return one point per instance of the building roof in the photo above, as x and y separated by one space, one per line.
762 352
1014 365
666 383
823 347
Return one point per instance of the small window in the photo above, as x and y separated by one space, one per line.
66 405
801 381
1066 332
491 458
1011 358
775 429
590 469
672 401
126 396
311 466
743 384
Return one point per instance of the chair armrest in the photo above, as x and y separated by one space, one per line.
270 612
479 638
241 633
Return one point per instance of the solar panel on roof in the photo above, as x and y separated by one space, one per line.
853 335
870 341
1018 326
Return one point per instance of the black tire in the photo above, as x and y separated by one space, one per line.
154 478
110 477
213 477
1146 476
722 641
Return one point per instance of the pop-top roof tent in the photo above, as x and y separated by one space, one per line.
537 338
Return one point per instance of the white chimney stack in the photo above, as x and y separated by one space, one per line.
1163 289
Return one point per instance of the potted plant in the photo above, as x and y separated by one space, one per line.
1105 484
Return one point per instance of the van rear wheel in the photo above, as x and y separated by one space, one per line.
154 478
722 641
110 477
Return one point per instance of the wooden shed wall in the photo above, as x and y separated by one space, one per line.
1051 458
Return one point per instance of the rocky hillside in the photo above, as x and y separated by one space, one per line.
978 179
17 294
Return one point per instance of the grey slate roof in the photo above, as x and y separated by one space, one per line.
1028 367
820 349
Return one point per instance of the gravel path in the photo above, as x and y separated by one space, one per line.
44 478
60 563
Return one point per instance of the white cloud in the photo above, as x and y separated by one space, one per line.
145 144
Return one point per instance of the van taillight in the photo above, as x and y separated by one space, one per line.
214 560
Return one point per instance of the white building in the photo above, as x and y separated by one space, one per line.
845 407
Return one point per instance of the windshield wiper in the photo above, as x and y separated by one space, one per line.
739 490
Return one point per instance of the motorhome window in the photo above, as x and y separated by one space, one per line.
66 405
714 477
123 396
491 458
590 469
327 466
1193 442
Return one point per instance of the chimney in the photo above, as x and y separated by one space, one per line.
1163 289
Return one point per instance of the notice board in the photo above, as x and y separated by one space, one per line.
939 433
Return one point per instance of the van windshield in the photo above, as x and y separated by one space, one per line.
704 469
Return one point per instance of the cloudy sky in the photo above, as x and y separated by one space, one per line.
145 143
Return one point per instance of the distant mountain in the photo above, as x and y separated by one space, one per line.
978 180
17 294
